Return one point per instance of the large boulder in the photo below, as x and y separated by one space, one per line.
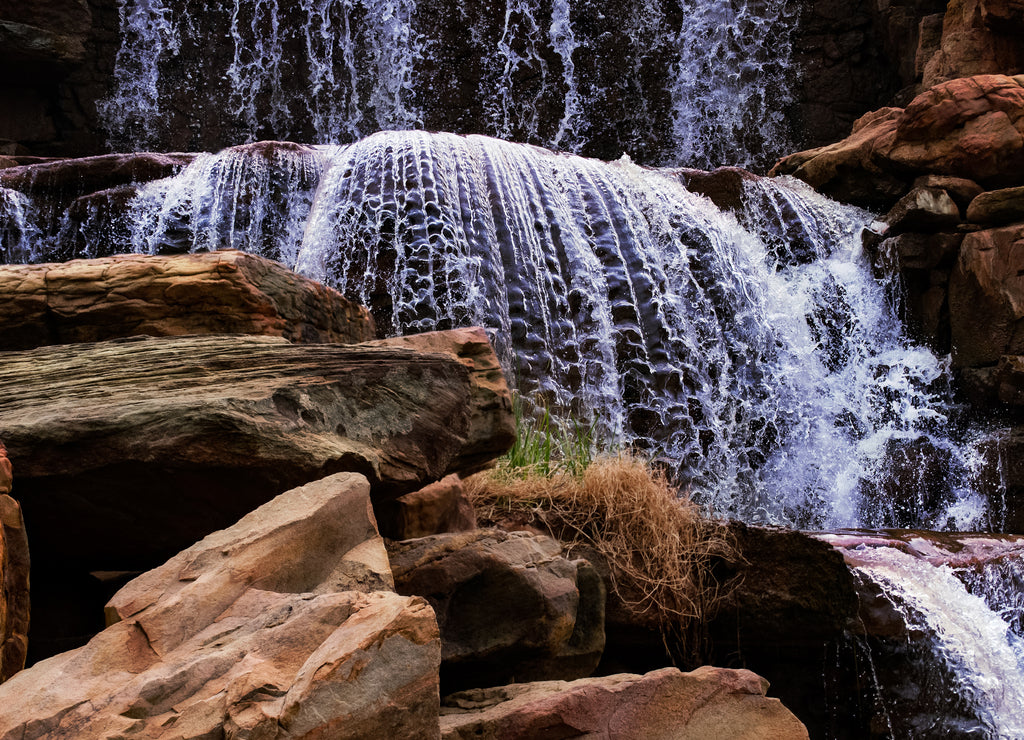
63 180
227 292
998 207
968 128
509 605
148 444
705 704
978 37
986 297
14 577
274 628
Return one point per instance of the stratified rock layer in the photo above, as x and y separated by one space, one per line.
148 444
705 704
226 292
14 577
274 628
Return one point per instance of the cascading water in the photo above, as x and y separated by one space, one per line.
18 232
757 354
961 615
716 73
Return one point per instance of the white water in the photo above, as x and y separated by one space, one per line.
336 70
759 355
974 632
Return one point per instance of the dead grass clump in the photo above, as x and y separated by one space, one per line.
658 546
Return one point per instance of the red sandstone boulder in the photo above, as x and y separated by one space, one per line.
986 297
923 209
967 128
438 508
226 292
978 37
279 627
705 704
998 207
14 577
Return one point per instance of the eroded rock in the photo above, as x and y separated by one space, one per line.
227 292
14 577
435 509
705 704
509 606
986 297
997 207
273 628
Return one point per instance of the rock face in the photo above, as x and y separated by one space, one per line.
978 37
435 509
225 292
210 426
969 128
705 704
986 296
508 604
273 628
14 577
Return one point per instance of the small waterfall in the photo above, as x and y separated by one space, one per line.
19 234
966 620
254 197
714 73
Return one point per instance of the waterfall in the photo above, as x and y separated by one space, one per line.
18 230
753 350
695 82
965 622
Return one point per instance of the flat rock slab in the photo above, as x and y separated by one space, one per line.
274 628
226 292
129 450
705 704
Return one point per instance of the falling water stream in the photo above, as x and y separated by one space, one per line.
751 348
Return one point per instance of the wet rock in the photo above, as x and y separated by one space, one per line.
923 209
273 628
63 180
921 251
14 577
723 186
226 292
705 703
509 605
986 297
998 207
436 509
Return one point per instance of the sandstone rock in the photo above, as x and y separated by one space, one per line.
436 509
191 432
509 606
705 704
998 207
921 251
971 127
978 37
271 629
986 297
14 577
724 186
923 209
226 292
1001 477
966 128
491 422
848 170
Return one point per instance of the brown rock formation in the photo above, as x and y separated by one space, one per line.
14 577
968 128
705 704
435 509
273 628
986 297
509 606
978 37
226 292
192 432
997 207
66 179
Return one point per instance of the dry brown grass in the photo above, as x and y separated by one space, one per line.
659 547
